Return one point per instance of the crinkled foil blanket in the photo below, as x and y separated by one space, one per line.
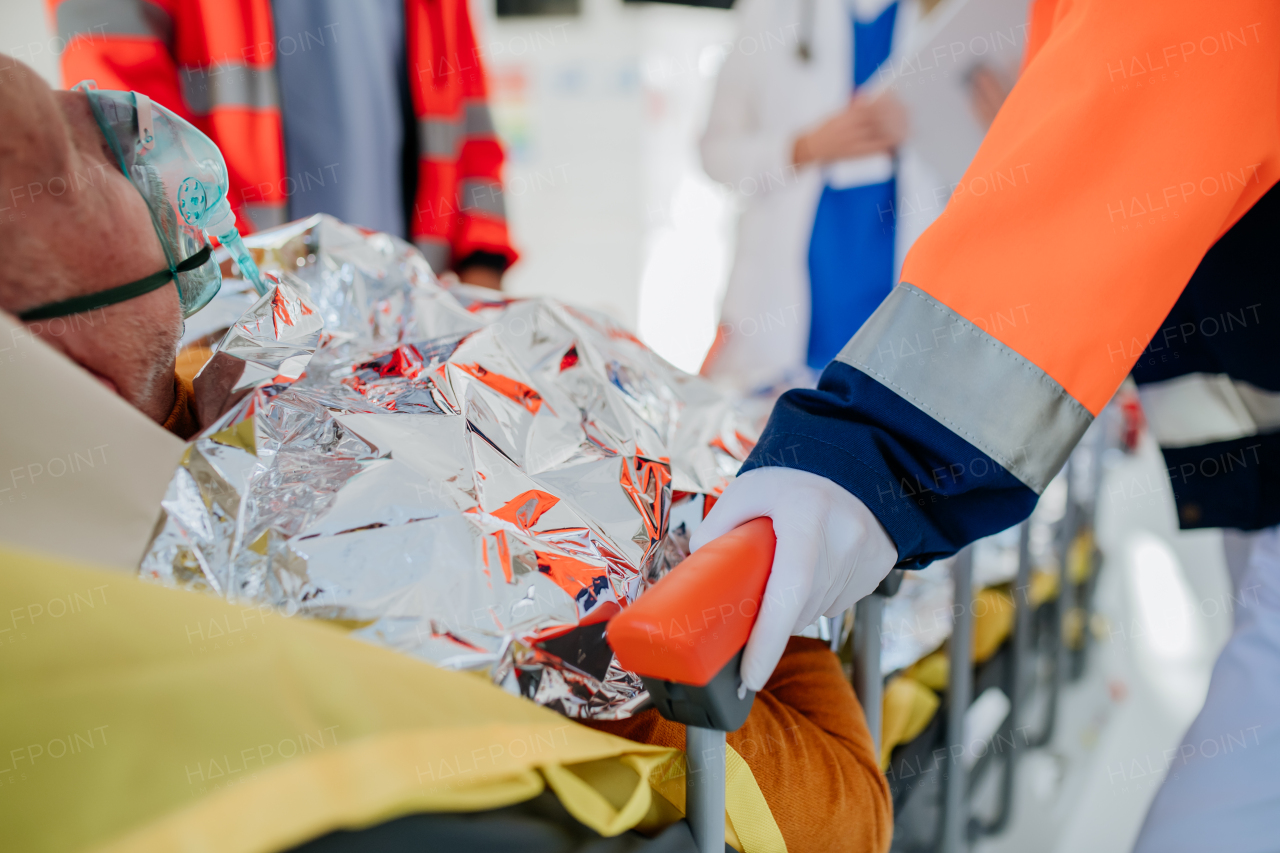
474 480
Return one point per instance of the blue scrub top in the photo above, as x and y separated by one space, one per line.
851 247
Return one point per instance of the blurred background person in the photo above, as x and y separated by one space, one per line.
821 166
385 123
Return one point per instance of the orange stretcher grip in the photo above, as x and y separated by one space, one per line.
693 621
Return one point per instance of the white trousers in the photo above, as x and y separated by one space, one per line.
1222 792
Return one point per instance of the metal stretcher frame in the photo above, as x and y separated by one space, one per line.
868 680
955 812
1016 685
1020 679
958 828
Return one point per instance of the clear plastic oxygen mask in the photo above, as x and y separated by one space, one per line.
178 170
183 178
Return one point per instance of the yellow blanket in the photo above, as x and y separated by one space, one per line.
135 718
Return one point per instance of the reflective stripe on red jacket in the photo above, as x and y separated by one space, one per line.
213 62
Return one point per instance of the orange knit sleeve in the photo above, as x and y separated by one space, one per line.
809 748
182 421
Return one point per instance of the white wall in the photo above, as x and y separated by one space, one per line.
690 219
607 201
27 34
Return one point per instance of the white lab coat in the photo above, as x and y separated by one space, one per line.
765 97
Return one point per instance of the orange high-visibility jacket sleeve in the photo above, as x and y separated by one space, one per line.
1040 15
1139 132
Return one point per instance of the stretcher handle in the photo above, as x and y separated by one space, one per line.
685 638
692 623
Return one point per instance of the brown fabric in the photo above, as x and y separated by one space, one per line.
182 421
191 359
808 745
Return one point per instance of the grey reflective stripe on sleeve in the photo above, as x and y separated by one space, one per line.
228 85
435 250
266 214
970 383
478 121
438 137
113 18
484 195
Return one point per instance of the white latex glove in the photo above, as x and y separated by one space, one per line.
832 551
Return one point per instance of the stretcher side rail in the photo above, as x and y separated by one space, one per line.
954 822
958 828
868 679
1015 684
693 677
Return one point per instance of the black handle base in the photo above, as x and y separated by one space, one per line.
715 706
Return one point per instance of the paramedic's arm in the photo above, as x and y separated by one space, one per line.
1094 196
1022 308
808 747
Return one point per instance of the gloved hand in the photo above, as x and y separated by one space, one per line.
831 552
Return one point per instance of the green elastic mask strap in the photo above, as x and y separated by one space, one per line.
80 304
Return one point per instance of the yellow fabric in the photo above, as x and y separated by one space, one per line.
616 783
908 708
1044 587
909 699
993 616
992 622
751 820
1080 557
749 823
933 671
595 808
1079 567
1073 628
135 718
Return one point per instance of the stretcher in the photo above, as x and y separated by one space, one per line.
1045 651
692 675
685 638
949 788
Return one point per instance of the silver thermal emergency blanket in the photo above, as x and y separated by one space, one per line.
475 480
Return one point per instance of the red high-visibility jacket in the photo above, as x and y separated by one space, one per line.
1139 133
213 63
